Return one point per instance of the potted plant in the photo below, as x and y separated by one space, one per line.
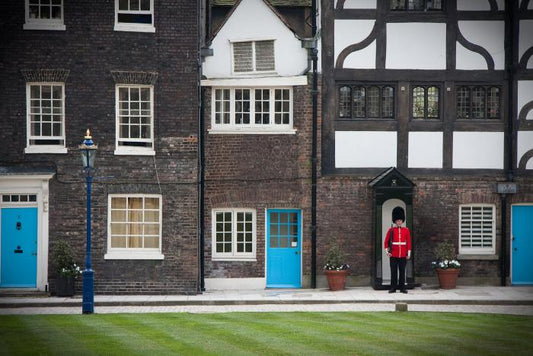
446 264
336 271
66 269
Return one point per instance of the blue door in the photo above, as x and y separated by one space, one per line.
19 247
284 262
522 245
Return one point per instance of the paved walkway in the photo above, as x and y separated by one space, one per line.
506 300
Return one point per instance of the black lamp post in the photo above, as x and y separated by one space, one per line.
88 153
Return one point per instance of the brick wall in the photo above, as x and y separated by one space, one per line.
259 172
90 50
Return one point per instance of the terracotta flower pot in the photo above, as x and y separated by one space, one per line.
336 279
448 277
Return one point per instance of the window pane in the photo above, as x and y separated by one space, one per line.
359 102
463 102
262 106
119 241
388 102
478 103
151 242
242 106
373 100
494 103
433 102
397 4
345 98
418 102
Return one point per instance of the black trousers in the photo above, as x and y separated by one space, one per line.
397 264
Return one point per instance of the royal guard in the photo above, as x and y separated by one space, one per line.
398 248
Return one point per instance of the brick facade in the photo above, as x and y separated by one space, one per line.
92 54
259 172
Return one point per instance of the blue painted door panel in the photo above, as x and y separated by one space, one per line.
522 245
284 268
19 247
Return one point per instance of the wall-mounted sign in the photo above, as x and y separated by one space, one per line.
507 188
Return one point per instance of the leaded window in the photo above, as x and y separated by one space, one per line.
366 102
478 102
233 233
477 228
416 5
248 109
46 115
425 100
253 56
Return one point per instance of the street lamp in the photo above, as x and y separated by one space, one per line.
88 153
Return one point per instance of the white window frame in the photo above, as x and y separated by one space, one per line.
233 255
121 149
131 26
32 147
114 253
254 57
43 23
252 128
485 224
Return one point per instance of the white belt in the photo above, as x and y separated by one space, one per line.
399 243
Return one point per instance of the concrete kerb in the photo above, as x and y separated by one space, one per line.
465 296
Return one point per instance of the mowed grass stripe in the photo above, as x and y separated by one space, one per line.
133 337
273 337
172 331
58 334
303 333
237 333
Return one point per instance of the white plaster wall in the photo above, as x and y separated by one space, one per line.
358 149
525 95
478 150
253 20
523 145
425 149
348 32
416 46
525 40
488 34
360 4
478 5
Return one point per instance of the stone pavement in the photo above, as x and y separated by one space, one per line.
501 300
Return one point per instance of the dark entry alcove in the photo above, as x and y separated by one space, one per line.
391 189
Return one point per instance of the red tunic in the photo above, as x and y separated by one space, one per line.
401 242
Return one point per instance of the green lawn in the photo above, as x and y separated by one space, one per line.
382 333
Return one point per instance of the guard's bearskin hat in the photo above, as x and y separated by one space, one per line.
398 214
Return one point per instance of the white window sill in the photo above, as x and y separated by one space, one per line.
133 255
45 149
134 152
234 259
42 26
134 28
251 131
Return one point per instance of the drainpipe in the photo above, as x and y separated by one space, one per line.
511 39
314 57
200 148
